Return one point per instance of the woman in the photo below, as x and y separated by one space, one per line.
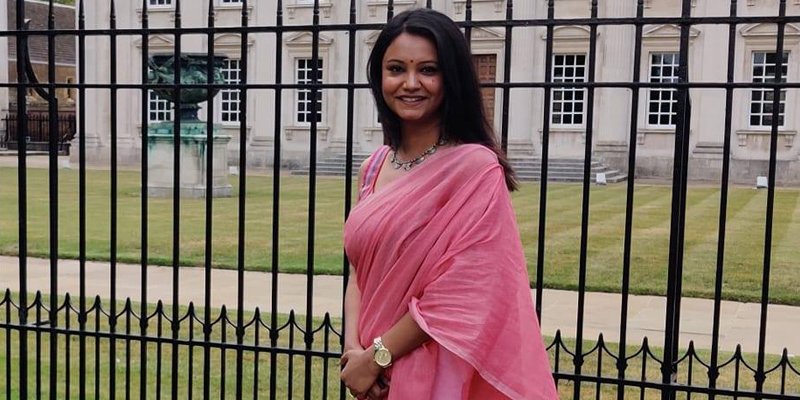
438 305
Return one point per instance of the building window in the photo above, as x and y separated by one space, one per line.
230 98
158 110
231 1
761 100
308 108
160 2
568 101
662 103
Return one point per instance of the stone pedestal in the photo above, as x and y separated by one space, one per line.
193 153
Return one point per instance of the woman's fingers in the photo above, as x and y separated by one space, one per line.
345 357
377 392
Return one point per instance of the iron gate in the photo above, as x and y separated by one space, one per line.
140 346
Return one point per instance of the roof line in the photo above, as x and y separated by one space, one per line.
47 3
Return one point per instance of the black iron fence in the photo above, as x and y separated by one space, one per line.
71 345
38 131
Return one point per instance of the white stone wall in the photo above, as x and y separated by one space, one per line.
611 125
4 92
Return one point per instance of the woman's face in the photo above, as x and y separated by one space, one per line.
412 82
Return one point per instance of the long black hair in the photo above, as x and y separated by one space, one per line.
463 119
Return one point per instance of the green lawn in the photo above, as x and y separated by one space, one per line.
743 255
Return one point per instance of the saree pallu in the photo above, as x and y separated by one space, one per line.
442 244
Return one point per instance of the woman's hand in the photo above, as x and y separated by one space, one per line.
361 373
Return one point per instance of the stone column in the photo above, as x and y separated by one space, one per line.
96 105
527 60
612 105
708 106
261 103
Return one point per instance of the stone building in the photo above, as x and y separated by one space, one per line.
64 68
755 60
37 11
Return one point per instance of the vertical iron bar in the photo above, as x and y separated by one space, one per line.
242 201
38 304
276 185
176 201
548 77
128 312
325 349
760 375
82 199
290 367
713 369
22 206
587 177
98 311
112 348
68 347
468 23
256 352
389 10
312 196
622 363
348 167
9 350
52 136
190 373
677 224
159 330
643 376
224 339
145 97
209 206
600 347
507 102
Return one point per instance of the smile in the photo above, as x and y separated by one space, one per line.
411 99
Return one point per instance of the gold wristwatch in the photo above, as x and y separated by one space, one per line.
381 354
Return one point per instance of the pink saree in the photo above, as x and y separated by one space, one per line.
442 243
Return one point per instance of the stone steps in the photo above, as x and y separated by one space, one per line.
563 170
528 169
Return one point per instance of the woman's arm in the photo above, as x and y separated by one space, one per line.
352 294
404 337
352 311
361 370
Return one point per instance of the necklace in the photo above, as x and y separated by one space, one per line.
407 165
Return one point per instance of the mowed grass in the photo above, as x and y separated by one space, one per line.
130 374
743 257
128 370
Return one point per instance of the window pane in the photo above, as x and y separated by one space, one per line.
567 103
305 75
663 69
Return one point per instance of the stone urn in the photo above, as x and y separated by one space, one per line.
193 134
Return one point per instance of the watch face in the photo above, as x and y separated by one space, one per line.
383 357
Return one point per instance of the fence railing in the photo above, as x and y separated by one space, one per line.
74 345
38 131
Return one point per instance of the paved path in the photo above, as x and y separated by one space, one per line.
739 324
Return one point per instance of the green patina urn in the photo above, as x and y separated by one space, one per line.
194 71
195 145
